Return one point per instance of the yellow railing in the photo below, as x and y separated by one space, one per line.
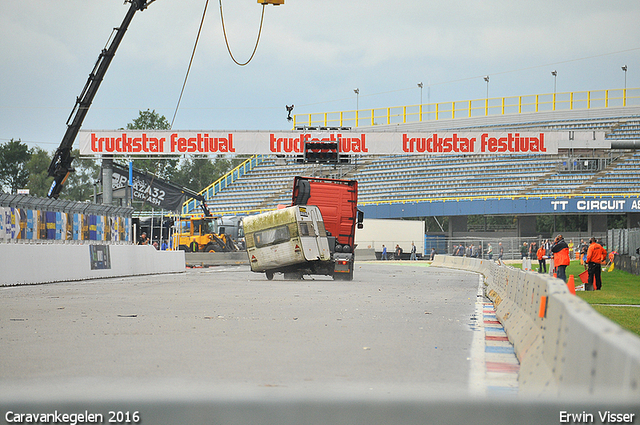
472 108
224 181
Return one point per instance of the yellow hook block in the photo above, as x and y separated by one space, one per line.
274 2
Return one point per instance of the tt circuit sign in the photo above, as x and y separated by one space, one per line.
600 205
349 142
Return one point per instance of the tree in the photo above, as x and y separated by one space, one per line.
38 167
163 167
79 186
14 156
196 172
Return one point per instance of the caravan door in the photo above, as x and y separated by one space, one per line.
313 237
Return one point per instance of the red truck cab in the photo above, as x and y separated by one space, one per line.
338 204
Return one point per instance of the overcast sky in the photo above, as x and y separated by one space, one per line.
313 53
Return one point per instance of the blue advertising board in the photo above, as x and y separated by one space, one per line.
505 206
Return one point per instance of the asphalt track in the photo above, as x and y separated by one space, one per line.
396 325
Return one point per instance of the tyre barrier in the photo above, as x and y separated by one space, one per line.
564 346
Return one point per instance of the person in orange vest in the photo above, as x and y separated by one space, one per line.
542 263
561 259
596 255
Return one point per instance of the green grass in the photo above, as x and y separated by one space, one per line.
627 317
618 287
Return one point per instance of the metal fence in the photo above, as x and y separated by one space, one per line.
28 219
624 241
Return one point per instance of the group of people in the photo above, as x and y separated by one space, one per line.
592 256
477 252
144 240
398 253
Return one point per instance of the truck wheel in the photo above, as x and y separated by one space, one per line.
269 275
210 248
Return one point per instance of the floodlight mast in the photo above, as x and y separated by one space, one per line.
60 166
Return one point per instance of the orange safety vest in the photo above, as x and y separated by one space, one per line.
541 253
596 254
561 258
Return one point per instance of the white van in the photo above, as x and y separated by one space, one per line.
291 240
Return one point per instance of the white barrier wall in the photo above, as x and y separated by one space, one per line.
564 346
22 264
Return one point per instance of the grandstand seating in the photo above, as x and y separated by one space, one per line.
398 178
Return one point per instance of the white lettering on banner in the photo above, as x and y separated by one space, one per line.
562 203
608 205
635 205
169 142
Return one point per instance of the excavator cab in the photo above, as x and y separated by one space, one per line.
201 234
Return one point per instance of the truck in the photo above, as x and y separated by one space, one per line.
315 235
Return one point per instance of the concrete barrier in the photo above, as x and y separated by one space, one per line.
207 259
24 264
564 346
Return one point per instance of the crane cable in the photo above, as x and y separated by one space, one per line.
184 84
227 41
204 13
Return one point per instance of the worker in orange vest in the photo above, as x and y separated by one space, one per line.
561 259
542 263
596 255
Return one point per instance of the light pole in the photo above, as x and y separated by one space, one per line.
357 92
624 92
421 86
486 102
486 78
555 77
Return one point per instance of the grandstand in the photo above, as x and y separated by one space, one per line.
576 180
410 177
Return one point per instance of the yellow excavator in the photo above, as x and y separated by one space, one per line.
201 232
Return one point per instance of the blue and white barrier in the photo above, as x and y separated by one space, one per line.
564 346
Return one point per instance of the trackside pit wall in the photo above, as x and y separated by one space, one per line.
564 346
24 264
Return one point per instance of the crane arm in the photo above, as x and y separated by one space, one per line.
60 166
198 197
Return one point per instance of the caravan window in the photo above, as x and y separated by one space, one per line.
306 229
272 236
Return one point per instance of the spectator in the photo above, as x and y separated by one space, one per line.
524 250
143 239
561 260
596 255
384 253
490 252
542 263
398 252
433 253
571 249
164 246
500 251
413 252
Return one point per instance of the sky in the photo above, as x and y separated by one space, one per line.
312 54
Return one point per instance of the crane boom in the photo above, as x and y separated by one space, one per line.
60 166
